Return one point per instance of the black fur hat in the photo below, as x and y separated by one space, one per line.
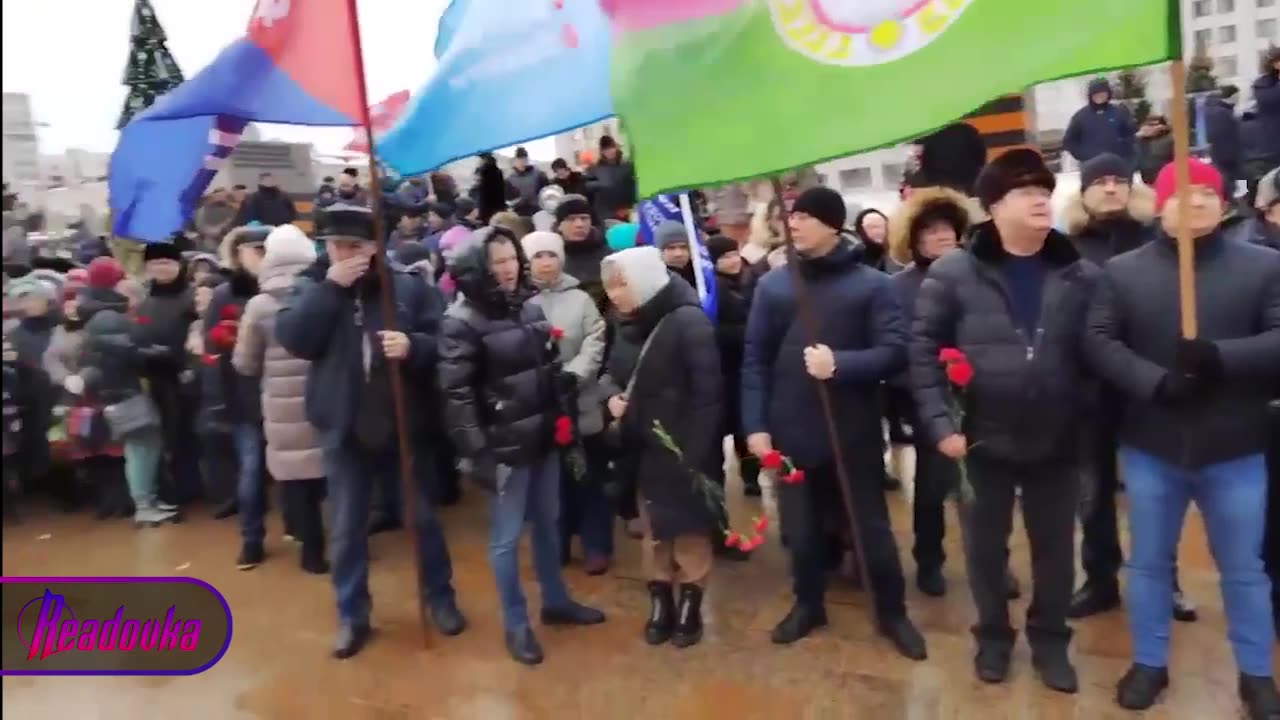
1018 168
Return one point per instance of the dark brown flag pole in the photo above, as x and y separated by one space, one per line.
386 292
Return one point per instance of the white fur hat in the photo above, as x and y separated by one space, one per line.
536 242
643 269
288 243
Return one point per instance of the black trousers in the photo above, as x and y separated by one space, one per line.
221 468
936 480
805 510
1100 552
301 501
1049 496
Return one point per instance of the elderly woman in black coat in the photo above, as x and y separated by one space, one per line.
665 372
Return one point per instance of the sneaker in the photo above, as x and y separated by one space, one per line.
1259 697
1141 687
150 516
251 556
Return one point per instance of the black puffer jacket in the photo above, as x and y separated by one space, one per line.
227 398
680 386
582 262
1132 340
612 186
498 366
1025 403
113 362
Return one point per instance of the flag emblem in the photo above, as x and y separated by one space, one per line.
862 32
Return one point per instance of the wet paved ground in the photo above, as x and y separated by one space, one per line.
278 664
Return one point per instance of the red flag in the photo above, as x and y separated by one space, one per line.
381 116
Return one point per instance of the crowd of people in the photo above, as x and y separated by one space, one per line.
554 362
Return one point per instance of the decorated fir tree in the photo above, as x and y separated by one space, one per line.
151 70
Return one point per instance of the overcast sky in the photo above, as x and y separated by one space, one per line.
69 55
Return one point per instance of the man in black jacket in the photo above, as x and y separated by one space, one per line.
501 380
269 205
1014 303
862 343
332 317
1194 427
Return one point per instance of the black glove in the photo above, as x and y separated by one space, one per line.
1178 389
1201 359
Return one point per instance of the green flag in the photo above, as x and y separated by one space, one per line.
713 91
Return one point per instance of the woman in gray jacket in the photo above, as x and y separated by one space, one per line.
294 457
585 508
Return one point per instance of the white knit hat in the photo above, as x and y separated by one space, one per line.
288 243
536 242
643 269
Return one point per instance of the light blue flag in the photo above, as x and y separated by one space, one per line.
508 72
663 208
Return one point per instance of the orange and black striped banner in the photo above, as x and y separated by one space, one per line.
1003 124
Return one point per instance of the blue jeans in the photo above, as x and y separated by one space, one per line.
531 492
352 473
250 486
1232 497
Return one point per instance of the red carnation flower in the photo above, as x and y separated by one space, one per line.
950 355
732 539
556 333
563 431
142 320
223 335
208 359
229 312
960 373
772 460
761 523
794 477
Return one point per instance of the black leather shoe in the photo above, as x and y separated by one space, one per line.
572 614
384 523
798 623
1141 687
688 617
523 647
251 556
931 582
662 613
905 637
1055 669
991 664
1183 609
312 559
447 618
226 510
351 640
1259 697
1093 599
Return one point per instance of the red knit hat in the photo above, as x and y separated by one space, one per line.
1201 173
105 273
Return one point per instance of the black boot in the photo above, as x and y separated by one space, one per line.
1259 697
689 617
931 582
1094 598
251 556
798 623
662 613
351 640
227 509
312 559
523 647
447 618
991 664
905 637
1141 687
1055 669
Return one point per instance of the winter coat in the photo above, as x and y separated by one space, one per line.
214 220
293 453
269 206
1097 129
527 185
1100 239
329 326
575 184
733 306
1153 154
1266 92
860 321
62 359
1222 130
1258 231
489 191
1132 340
1025 403
612 186
581 346
679 387
112 362
227 398
582 262
163 318
498 367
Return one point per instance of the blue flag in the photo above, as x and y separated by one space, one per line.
508 72
665 208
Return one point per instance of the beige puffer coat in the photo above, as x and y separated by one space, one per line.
293 452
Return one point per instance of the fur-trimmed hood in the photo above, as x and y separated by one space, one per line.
930 199
1142 208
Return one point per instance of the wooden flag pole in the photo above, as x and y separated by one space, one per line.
1181 156
809 321
386 291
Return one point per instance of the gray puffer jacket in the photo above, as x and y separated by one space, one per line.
293 452
574 313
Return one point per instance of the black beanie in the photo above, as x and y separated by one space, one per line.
823 204
572 205
1014 169
161 251
720 245
1104 165
347 221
